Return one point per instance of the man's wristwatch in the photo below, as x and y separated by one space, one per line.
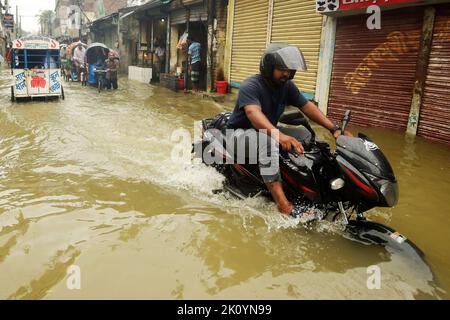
335 128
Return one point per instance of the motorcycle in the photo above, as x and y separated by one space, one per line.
343 185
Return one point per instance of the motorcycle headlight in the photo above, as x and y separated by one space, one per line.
390 192
387 188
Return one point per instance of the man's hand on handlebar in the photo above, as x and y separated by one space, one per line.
339 132
289 143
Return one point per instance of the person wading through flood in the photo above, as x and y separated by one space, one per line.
9 55
261 101
79 56
112 65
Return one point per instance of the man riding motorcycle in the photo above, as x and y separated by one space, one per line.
261 101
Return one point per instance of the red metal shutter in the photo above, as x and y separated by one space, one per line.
434 121
374 70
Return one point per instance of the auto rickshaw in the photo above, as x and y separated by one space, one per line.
35 68
96 54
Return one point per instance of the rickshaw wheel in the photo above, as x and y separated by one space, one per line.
62 93
13 98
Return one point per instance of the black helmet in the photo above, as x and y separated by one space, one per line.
283 56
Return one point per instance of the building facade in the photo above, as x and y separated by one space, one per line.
7 26
105 27
71 16
395 77
162 23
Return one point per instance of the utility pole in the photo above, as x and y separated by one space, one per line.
8 33
81 26
17 21
80 4
50 25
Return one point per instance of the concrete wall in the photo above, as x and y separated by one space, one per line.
3 49
143 75
173 48
104 8
107 34
221 36
128 37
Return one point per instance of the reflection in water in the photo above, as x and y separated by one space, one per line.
90 181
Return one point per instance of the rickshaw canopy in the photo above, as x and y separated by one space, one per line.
96 51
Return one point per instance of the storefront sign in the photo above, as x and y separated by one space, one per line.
323 6
8 21
35 42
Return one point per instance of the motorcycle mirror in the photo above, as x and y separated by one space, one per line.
346 119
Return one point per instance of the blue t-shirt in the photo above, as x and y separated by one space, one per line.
194 52
255 91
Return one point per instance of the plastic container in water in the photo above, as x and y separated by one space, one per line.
221 87
92 79
180 84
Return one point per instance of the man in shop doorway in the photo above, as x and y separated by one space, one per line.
194 61
159 57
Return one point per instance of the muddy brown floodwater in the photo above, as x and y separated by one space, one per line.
89 181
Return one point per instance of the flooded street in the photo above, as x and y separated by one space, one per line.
89 181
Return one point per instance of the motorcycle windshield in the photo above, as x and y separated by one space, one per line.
293 58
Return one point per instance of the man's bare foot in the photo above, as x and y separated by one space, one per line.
305 215
286 208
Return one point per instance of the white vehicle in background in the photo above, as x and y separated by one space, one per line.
36 68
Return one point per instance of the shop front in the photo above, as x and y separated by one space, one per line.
395 77
148 36
434 120
256 23
158 46
104 30
374 70
192 21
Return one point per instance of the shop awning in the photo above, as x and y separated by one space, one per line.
127 14
105 18
149 5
